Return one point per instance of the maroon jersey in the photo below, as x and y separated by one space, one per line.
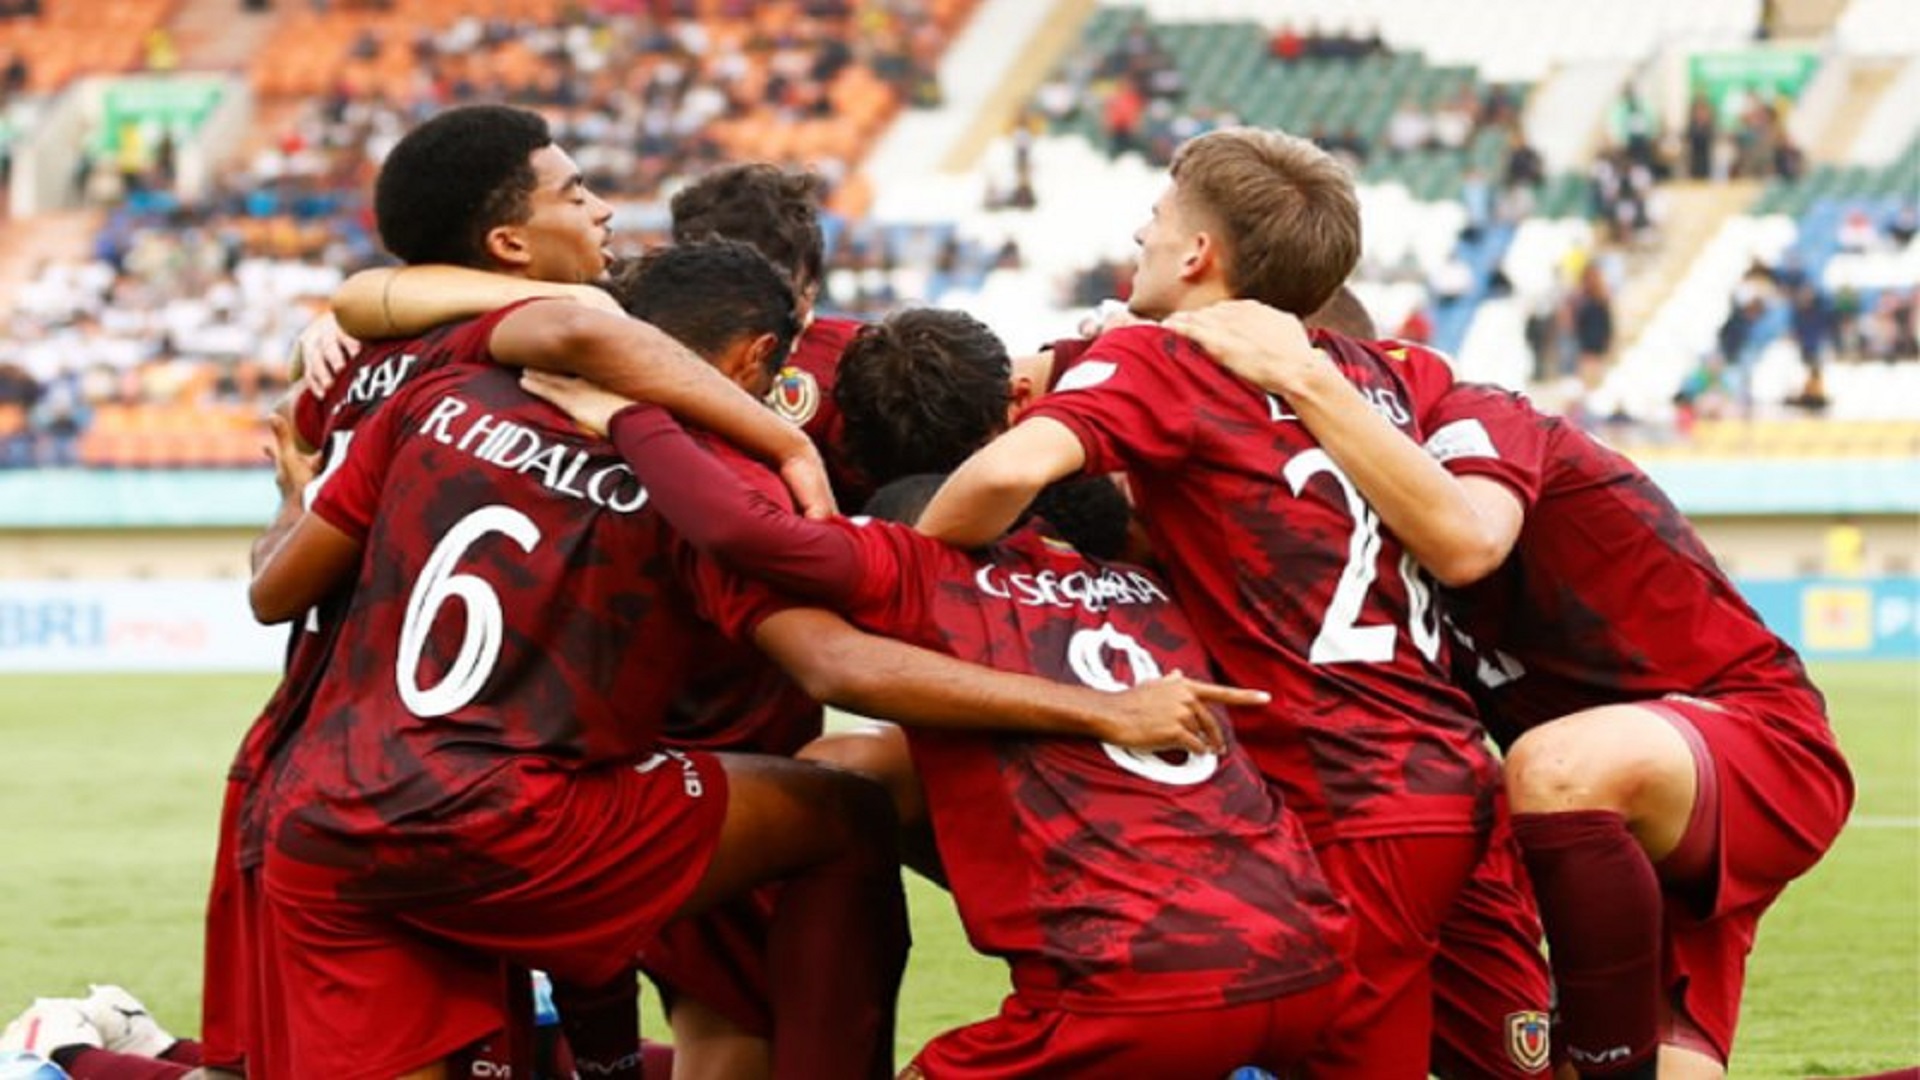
377 372
1113 881
735 698
803 393
508 622
1609 595
1295 587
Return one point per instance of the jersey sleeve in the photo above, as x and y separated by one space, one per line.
1130 400
737 604
347 494
1428 374
1484 431
733 509
309 418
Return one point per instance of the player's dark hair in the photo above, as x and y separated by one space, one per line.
1344 314
707 295
776 210
905 499
920 391
453 179
1088 512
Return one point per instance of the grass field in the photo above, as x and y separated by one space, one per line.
111 787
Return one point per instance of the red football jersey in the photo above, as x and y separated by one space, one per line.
735 698
510 619
375 374
1609 596
1294 585
803 393
1112 881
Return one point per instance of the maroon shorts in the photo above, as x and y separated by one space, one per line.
719 959
606 858
1774 792
1197 1044
229 957
1402 889
1492 991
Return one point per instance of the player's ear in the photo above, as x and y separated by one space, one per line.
507 245
1020 396
1203 257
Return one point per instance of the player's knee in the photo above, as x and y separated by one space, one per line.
1593 763
1546 774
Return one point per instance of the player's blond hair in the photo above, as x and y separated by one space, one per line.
1286 212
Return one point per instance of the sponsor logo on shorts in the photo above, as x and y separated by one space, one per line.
609 1068
795 395
1611 1055
491 1069
1527 1040
689 772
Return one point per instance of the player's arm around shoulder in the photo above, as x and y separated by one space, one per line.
1459 532
990 490
402 301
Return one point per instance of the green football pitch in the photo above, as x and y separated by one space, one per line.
111 786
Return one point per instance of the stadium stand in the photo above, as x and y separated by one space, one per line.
1494 178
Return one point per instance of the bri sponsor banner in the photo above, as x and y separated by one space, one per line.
54 626
50 626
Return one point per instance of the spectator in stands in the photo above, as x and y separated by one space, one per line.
1892 334
1409 129
1702 136
1453 119
1634 128
1592 304
1736 332
1904 224
1813 331
1286 45
1858 232
1125 108
14 75
1525 168
1476 194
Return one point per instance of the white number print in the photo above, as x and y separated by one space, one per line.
1342 640
438 583
1087 656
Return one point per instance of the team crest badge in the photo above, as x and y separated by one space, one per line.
1527 1041
795 394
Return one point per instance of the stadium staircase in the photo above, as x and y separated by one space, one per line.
1057 33
1695 212
1866 84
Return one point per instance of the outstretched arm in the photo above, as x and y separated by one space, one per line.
636 360
708 503
401 301
990 490
1459 528
881 677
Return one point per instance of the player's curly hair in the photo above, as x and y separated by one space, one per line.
454 178
920 391
1088 512
776 210
1285 210
709 294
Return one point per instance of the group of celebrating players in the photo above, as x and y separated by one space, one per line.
566 594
